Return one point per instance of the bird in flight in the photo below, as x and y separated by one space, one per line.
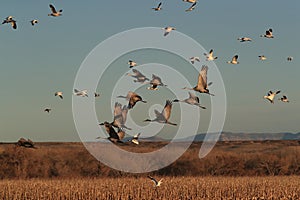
164 116
245 39
140 78
290 58
192 100
34 21
284 99
80 93
156 183
59 94
11 21
234 60
115 137
96 94
269 34
210 56
271 95
168 29
156 81
54 13
191 8
262 57
131 63
133 98
194 59
158 8
135 139
190 1
202 85
47 110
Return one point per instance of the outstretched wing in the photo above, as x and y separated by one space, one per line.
53 10
167 110
202 78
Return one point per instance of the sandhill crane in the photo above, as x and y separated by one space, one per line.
262 57
54 13
156 81
168 29
234 60
47 110
271 95
269 34
244 39
25 143
135 139
194 59
113 135
290 58
60 94
80 93
120 116
140 78
190 1
192 100
210 56
34 21
131 63
284 99
192 7
158 8
202 85
11 21
156 183
96 94
164 116
133 98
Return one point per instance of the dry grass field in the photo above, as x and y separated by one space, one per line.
281 187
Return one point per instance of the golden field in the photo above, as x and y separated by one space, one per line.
280 187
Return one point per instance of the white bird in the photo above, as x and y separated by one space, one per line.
168 29
194 59
135 139
158 8
284 99
115 137
290 58
164 116
234 60
11 21
210 56
54 13
131 63
202 85
156 183
34 21
80 93
262 57
192 100
190 1
192 7
140 78
269 34
60 94
245 39
156 81
271 95
132 99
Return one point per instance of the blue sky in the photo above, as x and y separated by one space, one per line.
38 61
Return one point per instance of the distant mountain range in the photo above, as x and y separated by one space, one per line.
229 136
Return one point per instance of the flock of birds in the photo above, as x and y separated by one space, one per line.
116 128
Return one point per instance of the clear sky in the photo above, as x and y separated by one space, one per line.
38 61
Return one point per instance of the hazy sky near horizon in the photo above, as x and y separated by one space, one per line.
38 61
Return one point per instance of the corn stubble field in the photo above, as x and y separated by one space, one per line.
281 187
